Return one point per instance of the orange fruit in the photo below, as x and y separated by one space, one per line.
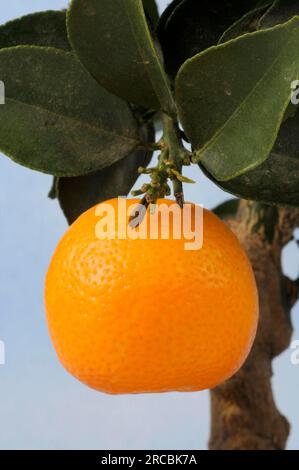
147 315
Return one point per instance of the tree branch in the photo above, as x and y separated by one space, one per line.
244 414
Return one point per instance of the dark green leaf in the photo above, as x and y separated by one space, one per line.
188 27
276 180
151 10
112 40
76 195
57 119
46 28
227 209
232 98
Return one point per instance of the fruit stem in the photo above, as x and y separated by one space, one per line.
176 153
173 156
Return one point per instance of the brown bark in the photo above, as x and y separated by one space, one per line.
244 414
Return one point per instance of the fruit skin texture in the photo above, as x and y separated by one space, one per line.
136 316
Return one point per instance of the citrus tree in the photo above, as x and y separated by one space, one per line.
85 92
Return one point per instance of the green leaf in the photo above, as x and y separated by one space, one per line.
46 28
227 209
268 15
113 41
151 9
276 180
188 27
76 195
232 98
57 119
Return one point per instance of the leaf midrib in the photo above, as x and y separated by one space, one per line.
244 102
155 57
94 129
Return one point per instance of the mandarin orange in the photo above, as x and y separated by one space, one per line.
147 315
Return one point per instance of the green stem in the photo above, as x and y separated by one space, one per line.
173 141
171 160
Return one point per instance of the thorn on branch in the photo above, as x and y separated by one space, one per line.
179 197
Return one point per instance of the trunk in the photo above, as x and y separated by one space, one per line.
244 414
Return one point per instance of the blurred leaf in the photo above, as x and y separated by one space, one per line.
76 195
46 28
266 16
188 27
113 41
57 119
246 24
276 181
261 3
280 12
167 14
234 83
227 209
152 11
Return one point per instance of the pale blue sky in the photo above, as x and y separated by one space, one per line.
41 406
